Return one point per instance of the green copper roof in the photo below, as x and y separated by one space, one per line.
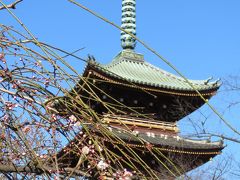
130 66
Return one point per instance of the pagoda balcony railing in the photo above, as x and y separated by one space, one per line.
139 122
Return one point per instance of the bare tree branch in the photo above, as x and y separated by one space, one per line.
38 170
11 6
17 94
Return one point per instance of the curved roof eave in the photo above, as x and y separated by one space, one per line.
143 73
170 141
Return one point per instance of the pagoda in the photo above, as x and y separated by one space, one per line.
135 109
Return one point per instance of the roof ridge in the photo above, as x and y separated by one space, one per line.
204 81
162 71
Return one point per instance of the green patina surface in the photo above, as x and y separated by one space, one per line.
132 67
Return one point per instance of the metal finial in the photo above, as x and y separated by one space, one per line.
128 24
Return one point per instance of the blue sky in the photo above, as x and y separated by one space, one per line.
198 37
201 38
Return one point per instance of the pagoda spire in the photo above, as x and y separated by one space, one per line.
128 24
